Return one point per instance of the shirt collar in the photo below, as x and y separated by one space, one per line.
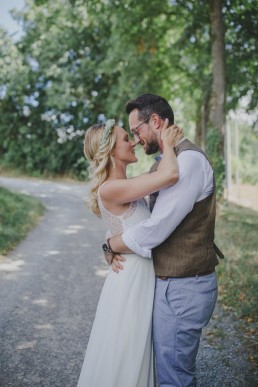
159 157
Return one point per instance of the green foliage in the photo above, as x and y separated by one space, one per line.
245 163
248 164
79 62
241 48
50 107
18 215
236 235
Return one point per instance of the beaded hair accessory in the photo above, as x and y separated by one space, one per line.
107 130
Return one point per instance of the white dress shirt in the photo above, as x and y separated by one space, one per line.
173 204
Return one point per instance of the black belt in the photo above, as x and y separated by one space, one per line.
164 278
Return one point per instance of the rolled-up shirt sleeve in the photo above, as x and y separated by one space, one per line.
172 206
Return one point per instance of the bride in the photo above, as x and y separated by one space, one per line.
119 352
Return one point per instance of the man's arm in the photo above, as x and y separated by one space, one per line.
117 244
172 206
116 258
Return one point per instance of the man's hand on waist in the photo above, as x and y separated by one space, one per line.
113 257
117 245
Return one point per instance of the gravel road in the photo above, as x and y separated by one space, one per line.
49 288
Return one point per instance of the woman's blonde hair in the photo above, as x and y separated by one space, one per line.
100 158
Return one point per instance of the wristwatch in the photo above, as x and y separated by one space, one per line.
107 248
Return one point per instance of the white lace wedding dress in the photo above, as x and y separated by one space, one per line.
119 352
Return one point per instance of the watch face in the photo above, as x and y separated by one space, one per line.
105 247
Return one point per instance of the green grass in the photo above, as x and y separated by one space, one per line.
18 215
237 236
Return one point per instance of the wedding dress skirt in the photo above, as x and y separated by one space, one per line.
119 352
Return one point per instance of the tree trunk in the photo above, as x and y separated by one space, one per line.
218 92
198 127
202 119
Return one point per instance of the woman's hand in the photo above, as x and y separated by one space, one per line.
171 135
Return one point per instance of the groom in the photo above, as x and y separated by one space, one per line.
179 236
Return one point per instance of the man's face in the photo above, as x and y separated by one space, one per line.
143 133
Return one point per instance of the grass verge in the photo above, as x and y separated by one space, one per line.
236 234
18 215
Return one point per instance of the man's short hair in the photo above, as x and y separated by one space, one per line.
148 104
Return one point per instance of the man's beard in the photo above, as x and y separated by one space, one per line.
151 147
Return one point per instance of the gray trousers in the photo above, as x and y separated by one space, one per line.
182 307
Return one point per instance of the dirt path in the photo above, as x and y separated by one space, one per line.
245 195
49 287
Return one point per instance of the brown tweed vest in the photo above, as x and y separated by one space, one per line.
190 249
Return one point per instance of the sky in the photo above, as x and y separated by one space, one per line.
6 20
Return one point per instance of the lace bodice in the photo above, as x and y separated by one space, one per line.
116 224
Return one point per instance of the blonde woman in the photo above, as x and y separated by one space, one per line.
119 352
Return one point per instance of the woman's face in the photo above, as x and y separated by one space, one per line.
124 149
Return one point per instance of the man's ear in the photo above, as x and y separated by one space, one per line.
156 121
